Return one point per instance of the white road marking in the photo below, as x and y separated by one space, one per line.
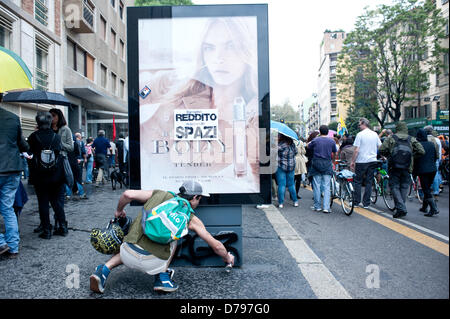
321 280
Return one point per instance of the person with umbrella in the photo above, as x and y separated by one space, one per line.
286 169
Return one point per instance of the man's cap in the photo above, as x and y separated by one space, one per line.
193 188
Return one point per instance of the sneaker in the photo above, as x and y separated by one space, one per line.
98 279
296 204
280 206
315 209
84 196
325 211
163 282
363 206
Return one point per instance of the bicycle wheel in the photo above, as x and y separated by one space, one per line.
332 190
388 197
374 192
346 196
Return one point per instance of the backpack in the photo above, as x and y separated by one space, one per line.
168 221
402 153
47 159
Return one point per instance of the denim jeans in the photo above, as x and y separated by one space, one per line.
437 180
399 181
322 185
285 179
89 168
8 188
69 191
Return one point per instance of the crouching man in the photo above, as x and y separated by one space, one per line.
141 253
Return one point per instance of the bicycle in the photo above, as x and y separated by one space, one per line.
415 189
380 187
342 187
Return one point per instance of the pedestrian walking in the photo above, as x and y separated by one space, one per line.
431 135
300 165
75 157
286 169
12 143
364 161
425 168
139 252
400 149
323 149
347 150
101 146
309 156
89 160
48 180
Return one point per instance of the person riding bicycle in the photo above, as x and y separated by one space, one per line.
399 178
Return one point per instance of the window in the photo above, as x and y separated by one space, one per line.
113 83
103 28
103 74
5 32
71 54
40 74
122 89
122 50
121 8
79 60
113 40
41 11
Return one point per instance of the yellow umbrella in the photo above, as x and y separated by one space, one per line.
14 73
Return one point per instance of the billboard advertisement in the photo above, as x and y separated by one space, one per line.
199 106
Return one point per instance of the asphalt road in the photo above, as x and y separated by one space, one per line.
329 255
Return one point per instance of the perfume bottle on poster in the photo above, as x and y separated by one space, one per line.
239 138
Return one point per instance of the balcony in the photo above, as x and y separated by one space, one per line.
79 15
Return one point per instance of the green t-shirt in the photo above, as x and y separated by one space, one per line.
136 235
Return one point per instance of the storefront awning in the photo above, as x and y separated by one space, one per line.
104 101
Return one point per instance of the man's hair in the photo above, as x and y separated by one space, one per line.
428 129
101 133
323 129
44 120
77 134
364 121
121 135
61 119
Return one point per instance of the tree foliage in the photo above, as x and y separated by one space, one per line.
140 3
388 58
285 113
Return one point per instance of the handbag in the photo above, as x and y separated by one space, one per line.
67 171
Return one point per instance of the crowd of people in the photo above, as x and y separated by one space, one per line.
313 160
53 159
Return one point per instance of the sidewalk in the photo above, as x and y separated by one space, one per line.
60 267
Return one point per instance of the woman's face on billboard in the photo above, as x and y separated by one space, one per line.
221 57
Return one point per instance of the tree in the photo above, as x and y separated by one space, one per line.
140 3
388 58
285 113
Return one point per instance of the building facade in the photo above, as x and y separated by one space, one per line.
76 48
32 29
327 89
95 72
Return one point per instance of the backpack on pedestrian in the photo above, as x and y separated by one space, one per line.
402 153
168 221
47 160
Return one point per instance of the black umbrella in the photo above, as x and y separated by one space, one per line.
37 96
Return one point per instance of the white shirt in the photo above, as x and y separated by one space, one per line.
368 142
